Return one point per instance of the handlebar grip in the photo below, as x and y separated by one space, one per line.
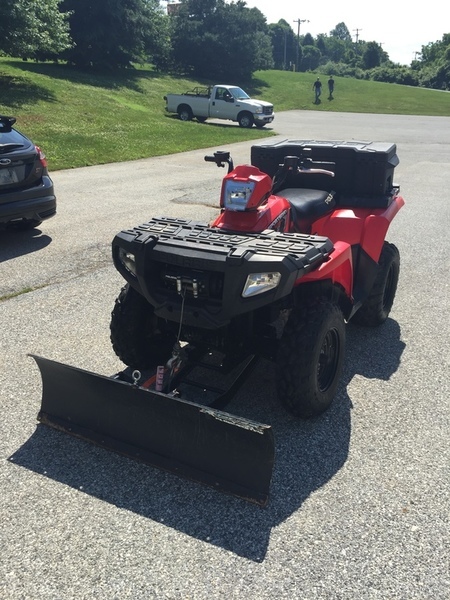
210 159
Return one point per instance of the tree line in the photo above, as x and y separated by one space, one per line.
207 39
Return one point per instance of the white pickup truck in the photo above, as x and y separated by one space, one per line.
220 102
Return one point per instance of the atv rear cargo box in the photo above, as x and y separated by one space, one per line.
363 170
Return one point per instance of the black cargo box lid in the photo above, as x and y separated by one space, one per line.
361 168
384 152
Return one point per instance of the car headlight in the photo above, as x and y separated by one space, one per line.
259 110
128 260
257 283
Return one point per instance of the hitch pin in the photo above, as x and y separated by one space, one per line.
136 375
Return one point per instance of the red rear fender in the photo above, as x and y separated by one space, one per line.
376 227
359 226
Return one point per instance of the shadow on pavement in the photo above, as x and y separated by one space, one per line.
308 455
19 243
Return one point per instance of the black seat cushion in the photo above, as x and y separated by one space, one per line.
308 205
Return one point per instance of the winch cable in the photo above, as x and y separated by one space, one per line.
174 363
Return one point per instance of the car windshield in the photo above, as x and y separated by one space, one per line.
239 94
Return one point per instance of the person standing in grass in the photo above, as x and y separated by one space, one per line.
317 87
331 87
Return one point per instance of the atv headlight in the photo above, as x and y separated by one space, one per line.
128 260
237 194
258 283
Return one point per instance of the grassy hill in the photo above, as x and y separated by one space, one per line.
84 119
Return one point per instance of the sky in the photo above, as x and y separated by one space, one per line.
401 27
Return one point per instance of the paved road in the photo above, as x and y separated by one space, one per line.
360 497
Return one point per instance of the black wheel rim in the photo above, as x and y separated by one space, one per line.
328 360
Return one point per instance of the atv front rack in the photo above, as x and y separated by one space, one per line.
213 265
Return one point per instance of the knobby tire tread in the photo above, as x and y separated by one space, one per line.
374 311
298 359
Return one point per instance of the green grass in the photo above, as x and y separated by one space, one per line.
85 119
289 91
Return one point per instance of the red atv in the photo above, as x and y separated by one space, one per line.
297 250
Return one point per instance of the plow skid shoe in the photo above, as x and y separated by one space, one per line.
229 453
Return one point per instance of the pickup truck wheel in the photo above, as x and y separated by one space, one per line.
310 358
135 336
185 113
376 308
245 120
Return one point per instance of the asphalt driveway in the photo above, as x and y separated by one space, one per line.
360 499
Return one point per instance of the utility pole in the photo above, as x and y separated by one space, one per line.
298 21
357 34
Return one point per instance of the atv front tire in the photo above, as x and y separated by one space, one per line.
377 306
310 358
135 336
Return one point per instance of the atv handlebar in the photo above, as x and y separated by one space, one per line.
306 165
319 171
221 158
294 165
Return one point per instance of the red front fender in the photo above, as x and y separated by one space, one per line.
338 269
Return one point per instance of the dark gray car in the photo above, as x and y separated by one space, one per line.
26 191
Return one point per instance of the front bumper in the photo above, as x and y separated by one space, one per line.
170 252
263 118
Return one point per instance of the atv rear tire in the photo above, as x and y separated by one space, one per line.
376 308
310 358
135 336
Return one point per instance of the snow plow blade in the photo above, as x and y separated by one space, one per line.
229 453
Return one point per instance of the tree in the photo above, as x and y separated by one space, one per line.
434 65
283 44
115 33
332 47
308 40
372 55
32 27
434 51
217 40
310 59
341 32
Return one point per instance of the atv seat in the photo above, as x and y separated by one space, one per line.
307 206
